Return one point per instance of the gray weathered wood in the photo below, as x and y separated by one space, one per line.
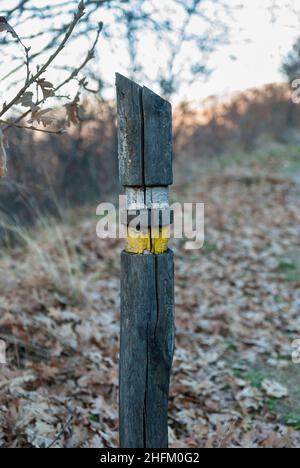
144 135
147 281
160 353
130 132
147 345
157 139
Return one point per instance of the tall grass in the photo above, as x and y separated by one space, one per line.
49 253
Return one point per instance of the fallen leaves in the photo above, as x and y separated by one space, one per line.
249 399
236 319
274 389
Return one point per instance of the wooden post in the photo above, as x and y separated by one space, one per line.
147 267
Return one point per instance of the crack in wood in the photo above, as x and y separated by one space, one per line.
147 330
147 280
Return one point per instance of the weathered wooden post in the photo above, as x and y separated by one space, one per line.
147 266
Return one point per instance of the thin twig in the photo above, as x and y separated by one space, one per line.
73 74
62 431
89 56
78 15
60 131
27 59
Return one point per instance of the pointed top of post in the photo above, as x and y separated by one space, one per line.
155 96
122 82
145 135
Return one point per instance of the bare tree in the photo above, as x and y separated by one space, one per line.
36 89
173 25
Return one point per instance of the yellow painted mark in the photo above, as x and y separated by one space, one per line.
159 240
137 241
154 241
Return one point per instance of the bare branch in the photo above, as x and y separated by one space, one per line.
60 131
89 56
78 15
73 74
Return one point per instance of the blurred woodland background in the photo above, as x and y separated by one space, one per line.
234 383
80 167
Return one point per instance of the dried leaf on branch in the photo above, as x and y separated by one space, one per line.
73 111
31 99
41 116
26 100
46 87
5 27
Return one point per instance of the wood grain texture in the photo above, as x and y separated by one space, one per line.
160 353
147 346
130 132
157 139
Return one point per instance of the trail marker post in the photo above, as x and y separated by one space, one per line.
147 266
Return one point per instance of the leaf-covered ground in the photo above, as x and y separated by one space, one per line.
238 299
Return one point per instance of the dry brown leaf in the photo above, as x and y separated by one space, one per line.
4 26
41 116
46 87
73 111
274 389
26 100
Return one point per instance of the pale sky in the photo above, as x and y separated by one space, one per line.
257 48
253 56
257 43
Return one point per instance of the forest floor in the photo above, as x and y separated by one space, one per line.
234 383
